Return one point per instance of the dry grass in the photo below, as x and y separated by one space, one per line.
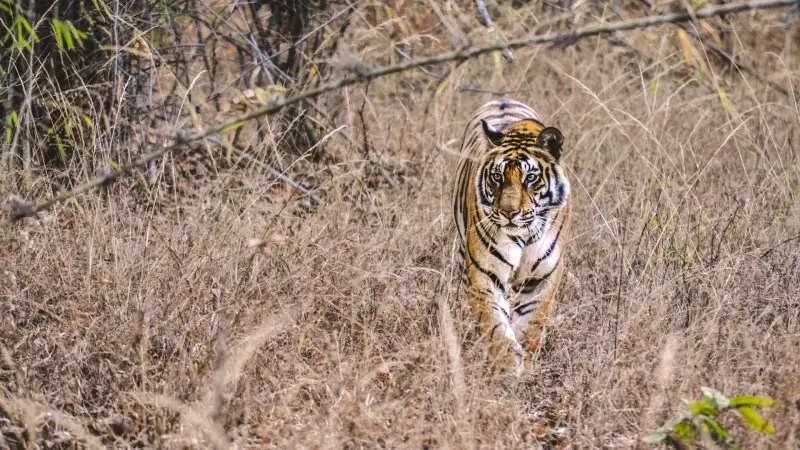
132 325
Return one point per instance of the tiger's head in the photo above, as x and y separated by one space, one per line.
521 180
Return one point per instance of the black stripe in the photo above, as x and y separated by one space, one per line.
503 115
498 308
480 189
528 285
549 273
494 328
518 310
549 250
548 193
495 280
471 142
518 240
531 283
559 187
491 246
487 241
506 102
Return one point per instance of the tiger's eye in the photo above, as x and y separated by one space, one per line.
531 177
496 177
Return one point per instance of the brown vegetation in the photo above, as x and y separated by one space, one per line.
203 304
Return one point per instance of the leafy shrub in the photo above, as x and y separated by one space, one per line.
701 424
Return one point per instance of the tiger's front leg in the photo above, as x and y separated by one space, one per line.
487 301
533 304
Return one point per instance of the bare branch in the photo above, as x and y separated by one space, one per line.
487 22
22 210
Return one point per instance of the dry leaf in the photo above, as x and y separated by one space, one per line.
273 239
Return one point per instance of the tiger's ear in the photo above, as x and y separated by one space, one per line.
494 135
551 139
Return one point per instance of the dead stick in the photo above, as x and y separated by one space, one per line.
20 211
487 22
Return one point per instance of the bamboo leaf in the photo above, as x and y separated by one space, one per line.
752 400
57 33
723 97
756 422
685 430
498 63
68 38
719 433
113 164
442 86
233 126
706 407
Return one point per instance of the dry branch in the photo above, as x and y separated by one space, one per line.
19 211
487 22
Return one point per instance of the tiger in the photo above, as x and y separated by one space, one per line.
513 213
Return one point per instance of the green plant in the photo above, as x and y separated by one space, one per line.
701 424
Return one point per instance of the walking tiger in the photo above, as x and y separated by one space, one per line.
512 211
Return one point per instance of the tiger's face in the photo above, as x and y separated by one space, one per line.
520 180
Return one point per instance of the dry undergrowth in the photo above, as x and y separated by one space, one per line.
247 316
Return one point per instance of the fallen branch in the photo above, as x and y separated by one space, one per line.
19 211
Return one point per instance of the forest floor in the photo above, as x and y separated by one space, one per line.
135 316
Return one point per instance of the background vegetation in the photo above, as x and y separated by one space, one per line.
201 302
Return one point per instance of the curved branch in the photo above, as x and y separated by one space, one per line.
19 211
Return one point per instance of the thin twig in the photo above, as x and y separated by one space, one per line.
19 211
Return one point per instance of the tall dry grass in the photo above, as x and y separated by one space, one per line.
128 323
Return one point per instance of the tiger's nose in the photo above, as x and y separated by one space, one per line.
509 214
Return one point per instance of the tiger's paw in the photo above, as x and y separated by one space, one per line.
508 359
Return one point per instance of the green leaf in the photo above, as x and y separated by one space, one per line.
68 40
756 422
79 35
685 430
719 433
706 407
57 25
723 97
113 164
498 63
232 126
722 401
62 152
655 437
751 400
12 122
442 86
